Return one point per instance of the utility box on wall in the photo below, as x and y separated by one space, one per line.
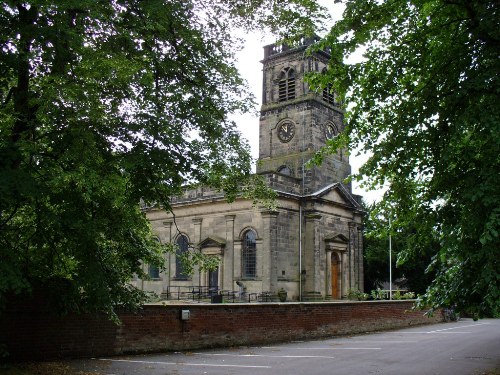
185 314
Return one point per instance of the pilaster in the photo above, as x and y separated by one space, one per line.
197 230
269 248
228 263
312 253
169 257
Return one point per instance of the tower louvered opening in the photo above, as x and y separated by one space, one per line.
287 85
328 94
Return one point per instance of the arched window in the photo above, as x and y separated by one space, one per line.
286 85
285 170
249 255
182 247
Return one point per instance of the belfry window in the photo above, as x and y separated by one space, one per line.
249 255
328 92
286 84
182 247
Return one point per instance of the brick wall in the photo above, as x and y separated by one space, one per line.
30 335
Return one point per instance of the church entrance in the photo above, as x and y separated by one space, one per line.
213 280
335 276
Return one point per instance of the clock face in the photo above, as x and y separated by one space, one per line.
330 132
286 131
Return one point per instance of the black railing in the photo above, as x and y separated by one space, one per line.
215 295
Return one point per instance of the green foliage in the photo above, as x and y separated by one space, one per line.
379 294
424 104
356 295
104 104
409 268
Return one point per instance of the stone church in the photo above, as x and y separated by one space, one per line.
312 244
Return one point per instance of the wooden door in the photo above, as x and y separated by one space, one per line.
335 276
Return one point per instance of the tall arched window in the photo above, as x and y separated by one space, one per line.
249 255
182 247
286 85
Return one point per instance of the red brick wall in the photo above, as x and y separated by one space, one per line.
30 335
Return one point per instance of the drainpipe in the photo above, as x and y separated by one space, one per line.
301 201
349 252
300 250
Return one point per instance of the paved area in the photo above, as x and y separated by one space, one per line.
464 347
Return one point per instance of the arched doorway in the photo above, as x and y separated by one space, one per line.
335 276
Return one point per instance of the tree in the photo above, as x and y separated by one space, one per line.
105 104
424 104
411 272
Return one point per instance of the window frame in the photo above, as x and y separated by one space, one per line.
182 247
249 255
286 84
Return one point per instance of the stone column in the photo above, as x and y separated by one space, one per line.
268 249
311 249
169 257
344 270
228 260
352 255
198 277
237 259
360 257
197 230
328 273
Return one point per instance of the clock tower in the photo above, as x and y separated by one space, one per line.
295 121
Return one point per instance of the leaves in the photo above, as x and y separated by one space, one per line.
424 103
103 105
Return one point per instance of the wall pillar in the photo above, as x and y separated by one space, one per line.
269 249
228 258
311 249
344 270
352 255
169 257
237 259
198 277
328 273
360 270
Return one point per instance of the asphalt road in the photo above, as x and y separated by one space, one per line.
457 348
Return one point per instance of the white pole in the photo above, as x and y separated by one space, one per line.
390 260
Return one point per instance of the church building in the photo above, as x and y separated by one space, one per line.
312 243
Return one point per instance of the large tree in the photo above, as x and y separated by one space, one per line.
424 104
410 274
105 104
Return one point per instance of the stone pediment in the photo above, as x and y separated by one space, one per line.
337 238
336 242
212 241
337 193
212 245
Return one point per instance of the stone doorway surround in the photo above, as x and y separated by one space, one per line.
213 246
336 245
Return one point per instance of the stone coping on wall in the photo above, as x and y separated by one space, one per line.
30 334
